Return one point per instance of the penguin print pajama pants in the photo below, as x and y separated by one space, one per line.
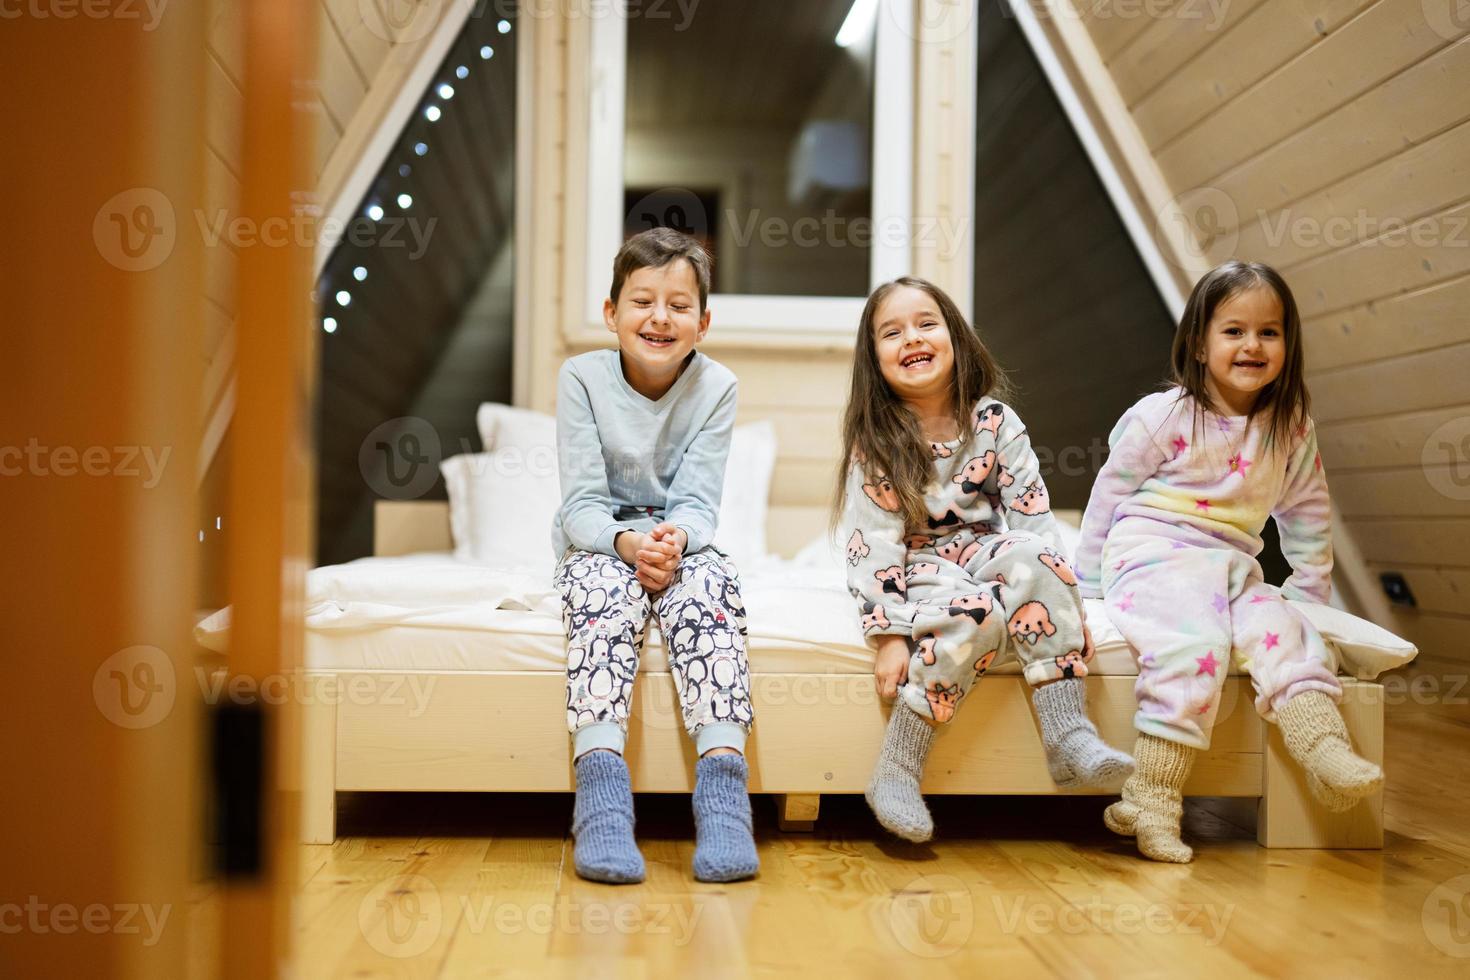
702 618
1190 605
977 599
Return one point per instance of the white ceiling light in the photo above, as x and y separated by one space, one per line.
359 273
344 298
420 148
375 212
858 23
330 324
486 53
432 113
503 27
446 91
462 72
405 201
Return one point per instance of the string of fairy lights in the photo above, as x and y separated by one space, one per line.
440 94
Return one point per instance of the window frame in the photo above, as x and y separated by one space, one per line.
747 315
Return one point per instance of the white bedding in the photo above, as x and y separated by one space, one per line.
432 612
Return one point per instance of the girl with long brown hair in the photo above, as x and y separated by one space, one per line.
952 549
1170 541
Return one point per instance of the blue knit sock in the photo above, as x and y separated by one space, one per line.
602 821
724 848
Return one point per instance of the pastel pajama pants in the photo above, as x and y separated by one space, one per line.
1190 605
983 600
702 617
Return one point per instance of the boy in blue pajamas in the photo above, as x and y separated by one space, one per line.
643 433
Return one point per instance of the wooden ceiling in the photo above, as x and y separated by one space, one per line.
420 277
730 62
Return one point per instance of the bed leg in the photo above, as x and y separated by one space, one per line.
319 759
797 812
1290 817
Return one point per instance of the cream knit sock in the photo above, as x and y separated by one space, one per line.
1317 738
1153 804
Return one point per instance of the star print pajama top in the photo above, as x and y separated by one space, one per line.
983 580
1170 540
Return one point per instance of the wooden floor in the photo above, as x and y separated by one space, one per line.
476 885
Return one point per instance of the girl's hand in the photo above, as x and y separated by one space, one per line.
891 668
1087 648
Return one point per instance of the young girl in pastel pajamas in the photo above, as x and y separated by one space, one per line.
952 549
1170 538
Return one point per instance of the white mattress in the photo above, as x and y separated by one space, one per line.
431 612
530 641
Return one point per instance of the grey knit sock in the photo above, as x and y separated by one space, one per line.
893 792
602 821
724 849
1075 754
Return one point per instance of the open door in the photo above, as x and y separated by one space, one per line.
147 832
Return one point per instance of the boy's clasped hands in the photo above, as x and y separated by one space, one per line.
654 556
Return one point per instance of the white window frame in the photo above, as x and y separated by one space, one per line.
892 197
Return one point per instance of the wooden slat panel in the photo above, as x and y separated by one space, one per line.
1391 440
1437 636
1431 250
1436 590
1412 540
1399 190
1419 320
1403 384
368 50
1114 26
1172 42
222 112
1277 33
1388 37
1409 108
342 89
803 482
1405 491
809 433
227 36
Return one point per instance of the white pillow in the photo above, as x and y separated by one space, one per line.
1364 648
744 501
507 425
521 452
501 507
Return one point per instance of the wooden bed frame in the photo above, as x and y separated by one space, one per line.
505 731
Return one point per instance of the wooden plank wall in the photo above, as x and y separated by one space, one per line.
1333 137
350 53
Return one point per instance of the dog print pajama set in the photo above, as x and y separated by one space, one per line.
1170 539
984 580
627 464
